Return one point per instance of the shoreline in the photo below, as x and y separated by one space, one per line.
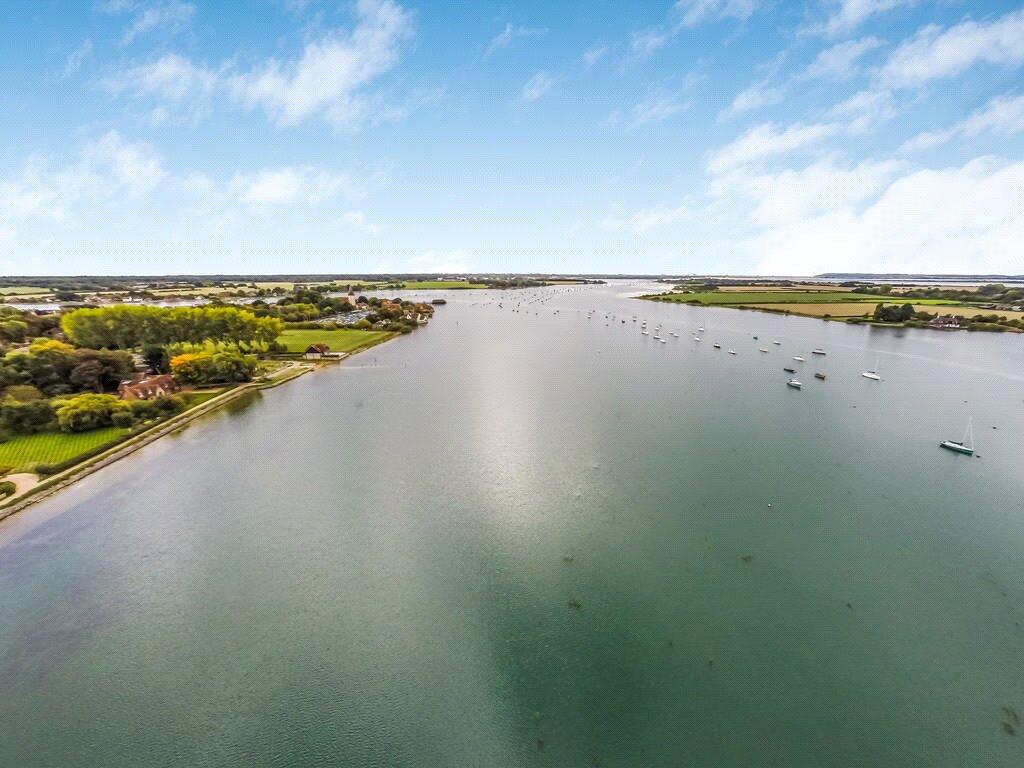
53 484
859 320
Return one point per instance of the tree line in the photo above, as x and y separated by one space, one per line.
128 327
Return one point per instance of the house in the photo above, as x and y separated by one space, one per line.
317 351
143 387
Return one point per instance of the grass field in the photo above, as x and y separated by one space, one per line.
844 309
782 288
192 399
23 451
340 340
833 309
22 290
767 297
420 285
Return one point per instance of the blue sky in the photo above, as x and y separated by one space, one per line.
723 136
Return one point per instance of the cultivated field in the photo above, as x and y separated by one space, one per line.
413 285
22 451
769 297
832 309
340 340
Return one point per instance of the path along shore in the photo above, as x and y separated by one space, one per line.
29 492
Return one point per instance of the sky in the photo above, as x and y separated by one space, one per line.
704 136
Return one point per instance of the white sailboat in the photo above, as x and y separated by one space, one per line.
966 445
873 373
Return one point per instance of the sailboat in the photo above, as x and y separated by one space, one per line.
873 373
966 445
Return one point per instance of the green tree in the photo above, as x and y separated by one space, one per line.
88 411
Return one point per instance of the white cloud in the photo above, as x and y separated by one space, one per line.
507 36
290 185
168 15
357 220
447 262
328 80
823 186
172 79
852 13
648 218
686 14
77 57
536 87
105 169
327 77
934 53
957 219
840 61
655 108
1003 114
693 12
755 97
594 55
864 109
769 140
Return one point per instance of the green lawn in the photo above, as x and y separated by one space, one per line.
340 340
192 399
22 451
413 285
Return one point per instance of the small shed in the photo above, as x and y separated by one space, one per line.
317 351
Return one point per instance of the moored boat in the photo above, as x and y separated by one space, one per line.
794 384
799 359
789 370
873 373
964 445
820 376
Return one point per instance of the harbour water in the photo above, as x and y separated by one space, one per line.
525 537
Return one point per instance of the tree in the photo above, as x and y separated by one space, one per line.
156 358
13 330
24 417
87 375
89 411
212 368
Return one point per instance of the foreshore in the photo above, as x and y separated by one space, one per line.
51 485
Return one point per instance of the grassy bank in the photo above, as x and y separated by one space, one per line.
339 340
22 452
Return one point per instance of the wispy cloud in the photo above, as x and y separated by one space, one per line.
756 96
935 52
840 62
507 36
1003 114
77 57
536 87
107 168
850 14
165 15
594 55
657 107
645 219
329 80
686 14
769 140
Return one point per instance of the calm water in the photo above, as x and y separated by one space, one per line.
518 539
